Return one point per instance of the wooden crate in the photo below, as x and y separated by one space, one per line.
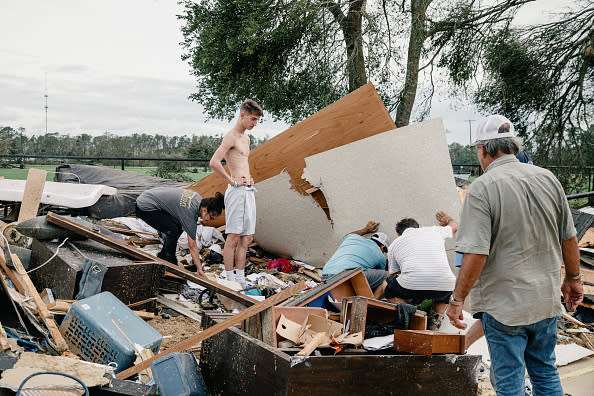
358 310
428 342
234 363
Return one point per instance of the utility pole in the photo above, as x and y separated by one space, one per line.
469 143
45 103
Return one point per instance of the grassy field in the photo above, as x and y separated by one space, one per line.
21 174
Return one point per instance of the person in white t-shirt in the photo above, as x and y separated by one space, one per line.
418 265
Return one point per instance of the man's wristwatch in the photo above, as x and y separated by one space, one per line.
453 301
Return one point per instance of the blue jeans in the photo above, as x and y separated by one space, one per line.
514 349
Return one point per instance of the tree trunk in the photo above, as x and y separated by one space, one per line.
418 34
353 36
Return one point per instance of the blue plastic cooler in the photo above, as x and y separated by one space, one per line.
91 334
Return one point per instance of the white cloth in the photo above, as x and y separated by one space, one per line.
205 237
136 224
420 257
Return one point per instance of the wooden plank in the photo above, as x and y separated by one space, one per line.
358 115
13 278
141 255
64 306
357 314
137 303
32 194
46 316
238 318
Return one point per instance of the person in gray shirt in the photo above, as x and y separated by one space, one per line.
515 232
173 210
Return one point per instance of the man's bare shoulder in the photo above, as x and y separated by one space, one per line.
232 137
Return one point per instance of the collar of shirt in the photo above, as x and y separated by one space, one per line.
505 159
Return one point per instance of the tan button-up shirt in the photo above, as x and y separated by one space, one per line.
518 216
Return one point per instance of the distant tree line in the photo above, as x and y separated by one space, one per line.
15 141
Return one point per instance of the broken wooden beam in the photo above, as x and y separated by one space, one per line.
32 194
46 316
15 281
141 255
235 319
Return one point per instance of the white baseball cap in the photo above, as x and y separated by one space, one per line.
381 238
494 127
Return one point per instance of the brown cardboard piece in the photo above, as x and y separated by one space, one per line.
316 324
288 329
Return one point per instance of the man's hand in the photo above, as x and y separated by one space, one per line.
456 316
573 293
442 218
371 227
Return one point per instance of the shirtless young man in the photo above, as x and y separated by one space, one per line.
240 202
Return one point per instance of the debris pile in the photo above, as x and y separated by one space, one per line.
86 295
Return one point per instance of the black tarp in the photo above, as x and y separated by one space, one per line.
129 185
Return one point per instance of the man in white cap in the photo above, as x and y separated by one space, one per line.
419 267
515 232
358 251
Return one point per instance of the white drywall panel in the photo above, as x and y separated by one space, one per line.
401 173
293 225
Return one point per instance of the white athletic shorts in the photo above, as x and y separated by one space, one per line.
240 210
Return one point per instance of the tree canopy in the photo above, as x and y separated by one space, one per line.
296 57
542 77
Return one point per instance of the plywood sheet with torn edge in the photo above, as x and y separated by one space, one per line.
356 116
399 173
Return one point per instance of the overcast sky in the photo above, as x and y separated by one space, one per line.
115 66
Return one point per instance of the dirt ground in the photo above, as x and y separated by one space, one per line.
176 329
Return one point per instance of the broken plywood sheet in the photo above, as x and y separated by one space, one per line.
358 115
386 177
